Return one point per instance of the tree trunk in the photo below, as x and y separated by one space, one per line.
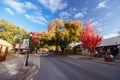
63 49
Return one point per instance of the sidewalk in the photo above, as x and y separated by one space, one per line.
13 68
99 60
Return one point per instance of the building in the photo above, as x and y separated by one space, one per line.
111 44
4 48
77 49
110 41
4 44
22 48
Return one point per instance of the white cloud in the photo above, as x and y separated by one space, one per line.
15 5
65 15
54 5
73 10
78 15
38 12
102 5
84 10
109 14
9 11
29 5
19 6
96 25
37 19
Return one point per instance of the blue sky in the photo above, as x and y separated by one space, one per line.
35 15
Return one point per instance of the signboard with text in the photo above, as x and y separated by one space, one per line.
25 43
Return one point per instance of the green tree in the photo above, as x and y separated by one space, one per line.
65 33
74 29
11 33
54 29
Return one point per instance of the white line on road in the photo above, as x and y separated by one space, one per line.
74 63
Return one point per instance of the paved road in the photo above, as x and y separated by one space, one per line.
64 68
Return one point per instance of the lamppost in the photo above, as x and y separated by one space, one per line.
27 54
1 30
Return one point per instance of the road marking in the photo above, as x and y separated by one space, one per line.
74 63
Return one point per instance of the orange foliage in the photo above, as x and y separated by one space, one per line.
53 24
34 40
89 38
78 24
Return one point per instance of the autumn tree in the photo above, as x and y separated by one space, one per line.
63 39
11 33
65 33
90 37
74 29
54 29
35 41
44 39
70 33
53 25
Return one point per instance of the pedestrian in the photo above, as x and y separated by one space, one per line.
112 57
96 54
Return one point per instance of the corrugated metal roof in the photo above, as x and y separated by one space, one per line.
110 41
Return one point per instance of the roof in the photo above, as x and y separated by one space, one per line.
110 41
73 44
5 43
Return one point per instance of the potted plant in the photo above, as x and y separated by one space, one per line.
107 58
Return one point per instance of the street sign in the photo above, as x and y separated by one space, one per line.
25 43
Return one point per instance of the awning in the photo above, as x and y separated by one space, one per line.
5 43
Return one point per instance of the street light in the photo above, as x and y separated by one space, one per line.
1 30
27 54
